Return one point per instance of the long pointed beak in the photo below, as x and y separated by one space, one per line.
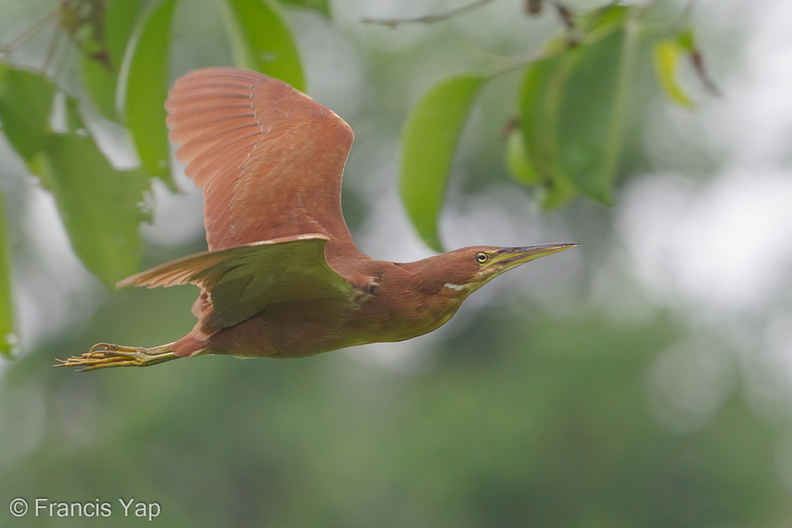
515 256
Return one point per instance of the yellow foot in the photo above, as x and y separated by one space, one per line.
103 355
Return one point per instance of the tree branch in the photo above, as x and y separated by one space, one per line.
428 19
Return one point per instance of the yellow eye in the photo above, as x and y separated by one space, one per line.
481 257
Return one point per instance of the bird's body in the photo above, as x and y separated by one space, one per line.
387 303
287 330
282 277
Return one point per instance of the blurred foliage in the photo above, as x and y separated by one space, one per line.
6 305
82 180
124 48
513 424
667 53
573 107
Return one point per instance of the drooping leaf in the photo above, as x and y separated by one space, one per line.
6 301
666 61
101 77
263 42
25 108
320 6
430 140
147 88
100 206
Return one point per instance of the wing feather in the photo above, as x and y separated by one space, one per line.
268 158
243 280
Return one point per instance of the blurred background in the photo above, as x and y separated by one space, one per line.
643 379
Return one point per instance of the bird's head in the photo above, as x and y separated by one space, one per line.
467 269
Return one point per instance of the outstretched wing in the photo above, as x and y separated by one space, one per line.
244 280
268 158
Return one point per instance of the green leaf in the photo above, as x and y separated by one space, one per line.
263 42
101 84
100 205
430 140
25 109
7 340
147 88
573 110
541 96
518 160
666 62
101 79
119 26
320 6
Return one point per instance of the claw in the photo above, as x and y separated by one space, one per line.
105 355
104 346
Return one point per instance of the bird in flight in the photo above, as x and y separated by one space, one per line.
282 277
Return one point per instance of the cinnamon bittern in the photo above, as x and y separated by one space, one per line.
282 277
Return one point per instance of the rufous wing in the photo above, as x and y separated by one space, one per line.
269 158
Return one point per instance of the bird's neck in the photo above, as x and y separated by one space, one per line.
413 300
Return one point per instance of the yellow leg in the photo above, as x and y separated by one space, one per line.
104 355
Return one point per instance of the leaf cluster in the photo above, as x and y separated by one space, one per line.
571 112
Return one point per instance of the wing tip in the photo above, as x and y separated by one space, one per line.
166 275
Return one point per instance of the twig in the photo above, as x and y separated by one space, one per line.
533 7
29 32
566 16
697 59
428 19
51 51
